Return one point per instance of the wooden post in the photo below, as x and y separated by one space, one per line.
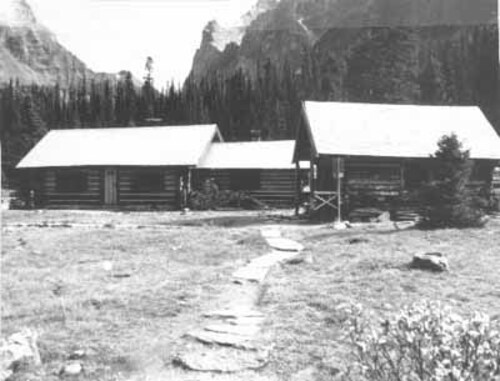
339 189
402 175
298 186
311 185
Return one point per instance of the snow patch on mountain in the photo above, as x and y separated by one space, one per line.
16 13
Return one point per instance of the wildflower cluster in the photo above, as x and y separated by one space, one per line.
426 341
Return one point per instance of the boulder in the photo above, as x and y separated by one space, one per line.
430 261
71 368
17 348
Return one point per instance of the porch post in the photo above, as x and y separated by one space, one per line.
297 187
311 185
339 190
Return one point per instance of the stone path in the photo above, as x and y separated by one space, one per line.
229 345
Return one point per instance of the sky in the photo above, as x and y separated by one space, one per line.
114 35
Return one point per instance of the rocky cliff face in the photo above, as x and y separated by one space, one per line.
30 53
283 30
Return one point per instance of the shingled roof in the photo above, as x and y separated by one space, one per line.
138 146
360 129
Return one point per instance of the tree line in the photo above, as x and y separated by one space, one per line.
394 65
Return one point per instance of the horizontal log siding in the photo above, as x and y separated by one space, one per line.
277 186
167 197
91 197
360 178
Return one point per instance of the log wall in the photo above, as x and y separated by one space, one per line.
167 197
54 198
277 186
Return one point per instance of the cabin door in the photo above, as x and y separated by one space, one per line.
110 186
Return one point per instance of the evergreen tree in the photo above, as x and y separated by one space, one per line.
447 199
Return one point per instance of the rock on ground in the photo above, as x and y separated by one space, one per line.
430 261
19 347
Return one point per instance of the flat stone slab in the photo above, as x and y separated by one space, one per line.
241 321
270 232
247 330
284 244
222 360
225 339
252 273
234 313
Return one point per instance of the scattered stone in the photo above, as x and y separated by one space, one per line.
284 244
339 225
302 258
356 240
72 368
122 275
307 374
17 348
430 261
225 339
404 225
77 355
107 265
221 360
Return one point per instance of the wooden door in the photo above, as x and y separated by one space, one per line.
110 186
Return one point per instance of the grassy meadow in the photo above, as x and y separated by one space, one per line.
125 296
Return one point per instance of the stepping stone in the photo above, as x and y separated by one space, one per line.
222 360
225 339
248 331
284 244
252 273
242 321
270 232
234 313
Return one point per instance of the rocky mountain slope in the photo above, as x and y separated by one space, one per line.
30 53
283 30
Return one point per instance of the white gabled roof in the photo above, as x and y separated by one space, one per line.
137 146
361 129
251 155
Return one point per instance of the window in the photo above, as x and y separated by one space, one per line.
245 179
71 181
148 180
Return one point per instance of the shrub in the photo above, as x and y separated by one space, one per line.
426 341
447 200
210 198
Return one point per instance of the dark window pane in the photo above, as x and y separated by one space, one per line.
245 179
71 181
148 181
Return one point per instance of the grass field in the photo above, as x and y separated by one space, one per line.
59 281
126 296
301 300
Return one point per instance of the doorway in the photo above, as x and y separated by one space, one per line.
110 187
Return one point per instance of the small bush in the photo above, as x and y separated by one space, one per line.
211 198
425 341
447 200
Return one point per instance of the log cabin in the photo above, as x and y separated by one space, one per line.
135 168
262 169
376 154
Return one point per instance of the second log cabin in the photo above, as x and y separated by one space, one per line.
374 154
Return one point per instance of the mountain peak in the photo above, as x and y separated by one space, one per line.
16 13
